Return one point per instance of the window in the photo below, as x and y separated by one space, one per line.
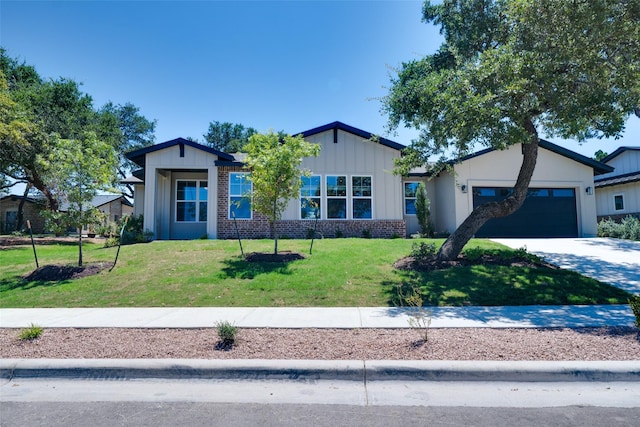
410 189
239 196
191 200
310 197
361 191
337 197
618 202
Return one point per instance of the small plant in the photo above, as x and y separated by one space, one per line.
31 333
366 233
338 233
419 316
423 251
227 333
634 302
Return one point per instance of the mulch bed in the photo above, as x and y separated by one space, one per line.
432 264
284 256
52 273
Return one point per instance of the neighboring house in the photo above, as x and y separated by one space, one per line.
187 190
9 207
618 192
115 206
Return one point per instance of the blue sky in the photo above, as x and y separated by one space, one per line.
283 65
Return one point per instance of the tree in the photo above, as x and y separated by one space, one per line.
228 137
128 130
422 210
76 171
599 155
50 111
509 69
275 173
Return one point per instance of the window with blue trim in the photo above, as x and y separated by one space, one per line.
362 194
239 195
410 190
310 201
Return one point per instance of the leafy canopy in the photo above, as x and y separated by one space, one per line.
509 69
569 67
275 172
76 171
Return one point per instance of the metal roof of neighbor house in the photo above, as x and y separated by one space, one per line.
138 156
355 131
598 167
100 200
617 180
619 151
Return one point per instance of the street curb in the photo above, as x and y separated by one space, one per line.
311 370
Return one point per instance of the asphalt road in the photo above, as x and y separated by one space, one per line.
98 414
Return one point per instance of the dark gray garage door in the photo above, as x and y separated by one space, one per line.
546 212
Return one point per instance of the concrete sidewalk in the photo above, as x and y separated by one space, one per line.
319 317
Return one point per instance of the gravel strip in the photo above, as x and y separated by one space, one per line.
330 344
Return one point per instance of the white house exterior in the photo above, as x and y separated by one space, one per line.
618 192
187 190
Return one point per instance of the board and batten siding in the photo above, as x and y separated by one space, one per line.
624 163
159 181
353 155
606 202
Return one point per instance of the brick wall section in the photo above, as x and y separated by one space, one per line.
258 227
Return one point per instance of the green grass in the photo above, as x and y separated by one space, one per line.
341 272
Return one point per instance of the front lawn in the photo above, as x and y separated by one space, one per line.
341 272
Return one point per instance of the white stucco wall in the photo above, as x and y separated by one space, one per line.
500 169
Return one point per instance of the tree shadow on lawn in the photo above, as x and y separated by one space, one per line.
495 285
240 268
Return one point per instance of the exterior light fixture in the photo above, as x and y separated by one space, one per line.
589 190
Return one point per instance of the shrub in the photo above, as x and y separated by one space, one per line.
423 251
31 333
419 316
366 233
338 233
628 228
422 211
634 302
227 333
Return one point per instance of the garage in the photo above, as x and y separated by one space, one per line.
546 212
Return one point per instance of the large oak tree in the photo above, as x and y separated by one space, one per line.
509 69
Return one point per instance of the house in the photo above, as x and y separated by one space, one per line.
114 205
186 190
9 207
618 192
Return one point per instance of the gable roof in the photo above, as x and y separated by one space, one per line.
598 167
138 156
619 151
335 126
100 200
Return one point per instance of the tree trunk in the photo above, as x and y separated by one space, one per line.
80 238
480 215
20 218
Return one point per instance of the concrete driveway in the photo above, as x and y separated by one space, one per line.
612 261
